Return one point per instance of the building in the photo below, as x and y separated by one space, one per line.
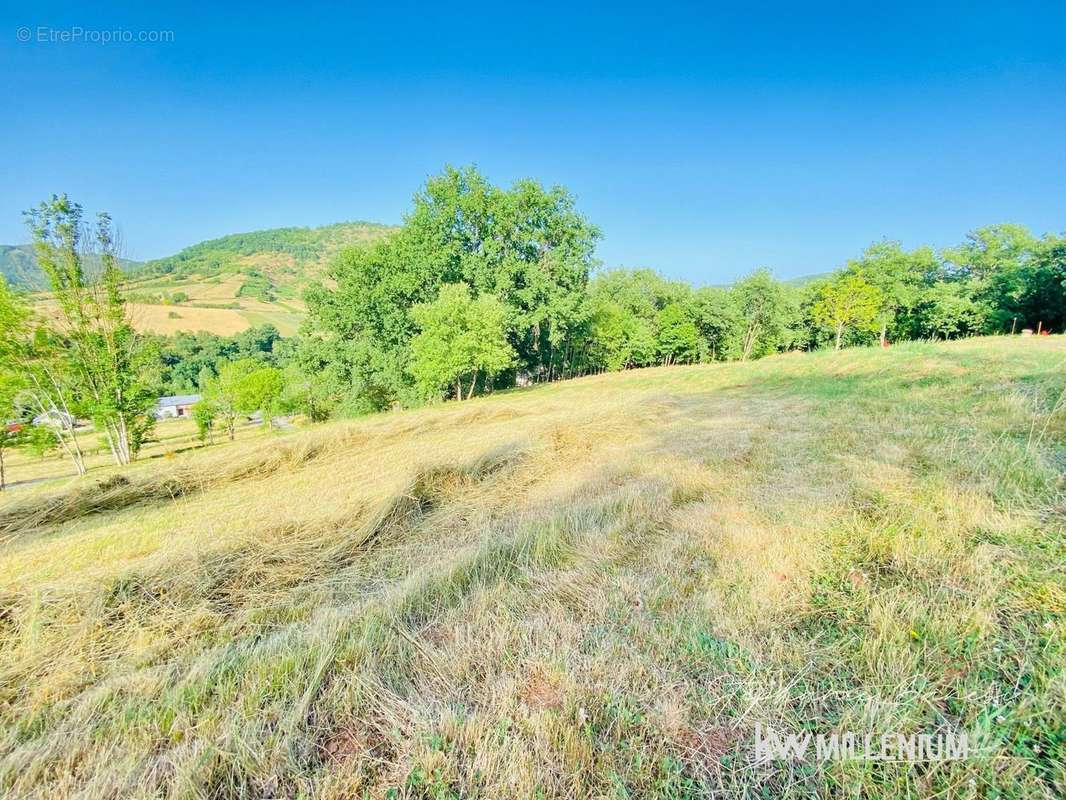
177 405
55 419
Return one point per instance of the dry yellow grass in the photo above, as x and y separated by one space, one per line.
592 589
159 319
195 314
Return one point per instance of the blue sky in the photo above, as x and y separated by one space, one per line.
705 140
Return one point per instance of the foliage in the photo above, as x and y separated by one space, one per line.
302 245
19 267
679 338
110 366
765 313
32 357
526 245
187 359
900 277
13 430
242 388
258 286
460 339
848 302
949 309
203 414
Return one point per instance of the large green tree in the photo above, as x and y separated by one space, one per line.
679 338
526 245
242 388
992 266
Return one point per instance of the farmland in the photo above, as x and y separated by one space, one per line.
221 286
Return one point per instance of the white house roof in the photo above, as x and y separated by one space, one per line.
177 400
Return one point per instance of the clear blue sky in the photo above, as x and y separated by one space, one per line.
704 140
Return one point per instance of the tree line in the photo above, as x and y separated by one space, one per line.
482 288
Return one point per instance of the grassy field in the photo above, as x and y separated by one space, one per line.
595 589
170 437
213 304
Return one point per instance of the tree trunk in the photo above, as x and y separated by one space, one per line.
125 447
840 333
75 447
750 337
109 437
884 334
473 383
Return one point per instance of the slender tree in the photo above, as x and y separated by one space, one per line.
110 363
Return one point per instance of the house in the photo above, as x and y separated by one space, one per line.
55 419
176 405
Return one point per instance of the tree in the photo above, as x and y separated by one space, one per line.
764 314
948 308
203 414
618 337
30 353
242 388
993 264
679 338
461 339
899 275
625 307
223 394
110 364
260 390
525 245
1042 300
848 302
12 429
715 314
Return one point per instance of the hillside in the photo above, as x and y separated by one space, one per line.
590 589
282 254
18 265
228 284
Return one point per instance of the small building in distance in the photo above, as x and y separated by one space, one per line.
55 419
176 405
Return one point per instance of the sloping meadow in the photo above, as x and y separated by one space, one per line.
593 589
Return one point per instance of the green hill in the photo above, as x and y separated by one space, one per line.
293 252
18 265
803 280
